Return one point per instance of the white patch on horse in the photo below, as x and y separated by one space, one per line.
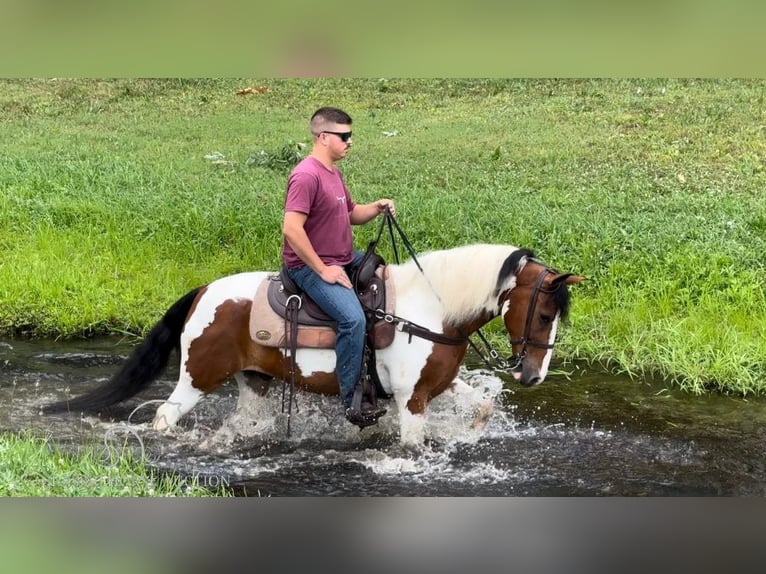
442 271
231 288
406 358
311 361
549 354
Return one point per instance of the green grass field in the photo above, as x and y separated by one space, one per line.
118 196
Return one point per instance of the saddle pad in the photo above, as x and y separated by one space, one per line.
268 329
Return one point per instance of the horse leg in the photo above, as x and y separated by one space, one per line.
210 353
251 387
181 401
483 407
412 420
440 376
251 384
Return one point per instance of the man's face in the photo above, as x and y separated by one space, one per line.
337 138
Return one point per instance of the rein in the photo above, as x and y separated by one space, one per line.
415 330
422 332
412 329
389 219
514 361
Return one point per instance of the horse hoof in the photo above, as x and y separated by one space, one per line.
160 424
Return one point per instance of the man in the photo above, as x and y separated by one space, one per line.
318 248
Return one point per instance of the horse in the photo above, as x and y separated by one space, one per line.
442 296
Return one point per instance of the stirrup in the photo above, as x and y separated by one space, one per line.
364 418
373 410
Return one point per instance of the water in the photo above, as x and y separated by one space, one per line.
578 434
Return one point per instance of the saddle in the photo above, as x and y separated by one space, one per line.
316 329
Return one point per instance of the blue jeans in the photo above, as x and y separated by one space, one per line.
343 305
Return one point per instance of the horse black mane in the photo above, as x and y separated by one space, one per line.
561 298
510 267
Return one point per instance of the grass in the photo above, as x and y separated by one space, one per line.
120 195
32 467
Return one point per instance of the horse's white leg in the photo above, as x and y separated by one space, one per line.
244 415
404 362
251 385
483 406
180 402
411 426
244 393
184 396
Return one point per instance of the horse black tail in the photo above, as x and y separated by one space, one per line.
144 365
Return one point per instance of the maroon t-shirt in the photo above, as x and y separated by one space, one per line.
322 195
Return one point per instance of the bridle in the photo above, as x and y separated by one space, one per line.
515 360
513 363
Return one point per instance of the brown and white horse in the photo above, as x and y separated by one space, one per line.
454 293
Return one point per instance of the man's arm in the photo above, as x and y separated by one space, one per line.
363 213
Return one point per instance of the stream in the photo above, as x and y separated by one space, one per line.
580 433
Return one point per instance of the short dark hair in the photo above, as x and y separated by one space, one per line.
328 115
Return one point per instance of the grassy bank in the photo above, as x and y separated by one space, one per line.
32 466
652 189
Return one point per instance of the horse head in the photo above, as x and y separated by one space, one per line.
531 311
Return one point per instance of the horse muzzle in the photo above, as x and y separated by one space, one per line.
527 375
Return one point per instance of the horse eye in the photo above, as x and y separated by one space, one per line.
545 319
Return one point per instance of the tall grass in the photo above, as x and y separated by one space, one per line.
118 196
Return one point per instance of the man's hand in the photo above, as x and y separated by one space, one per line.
382 204
335 274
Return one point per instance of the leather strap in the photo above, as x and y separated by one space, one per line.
413 329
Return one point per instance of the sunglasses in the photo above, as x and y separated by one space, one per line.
344 136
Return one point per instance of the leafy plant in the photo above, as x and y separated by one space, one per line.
288 156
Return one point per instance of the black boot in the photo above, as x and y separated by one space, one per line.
364 410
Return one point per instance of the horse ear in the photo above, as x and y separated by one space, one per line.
568 278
